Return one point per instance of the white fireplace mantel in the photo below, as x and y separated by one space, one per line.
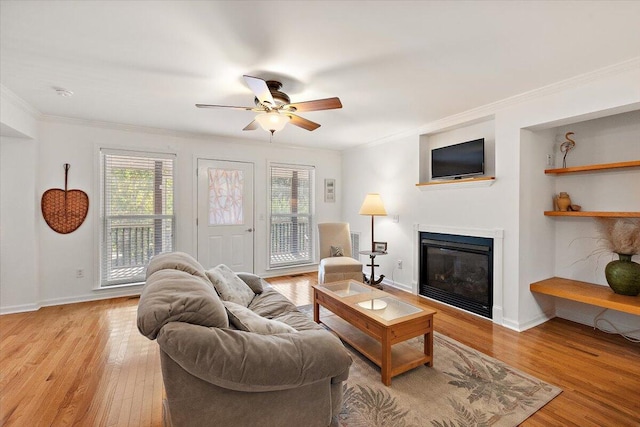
497 234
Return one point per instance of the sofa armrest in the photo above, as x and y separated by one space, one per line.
244 361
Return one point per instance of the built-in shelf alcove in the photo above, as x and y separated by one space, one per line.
455 134
599 176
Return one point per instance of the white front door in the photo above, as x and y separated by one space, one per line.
225 214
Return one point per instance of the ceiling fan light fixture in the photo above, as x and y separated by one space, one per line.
272 121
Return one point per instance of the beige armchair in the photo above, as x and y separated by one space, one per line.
333 266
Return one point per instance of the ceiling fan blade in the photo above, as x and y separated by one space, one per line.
303 123
252 126
224 106
318 104
260 89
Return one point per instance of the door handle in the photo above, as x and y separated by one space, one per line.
249 230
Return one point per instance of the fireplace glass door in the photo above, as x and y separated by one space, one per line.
458 270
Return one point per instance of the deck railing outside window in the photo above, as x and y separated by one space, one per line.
290 240
132 242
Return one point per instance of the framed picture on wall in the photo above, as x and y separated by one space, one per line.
330 190
380 246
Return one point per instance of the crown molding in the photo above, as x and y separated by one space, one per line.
18 102
168 132
50 118
488 111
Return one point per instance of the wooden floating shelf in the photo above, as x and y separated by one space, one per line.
591 168
594 214
486 181
588 293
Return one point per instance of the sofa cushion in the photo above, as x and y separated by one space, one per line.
254 282
229 286
246 320
176 261
177 296
299 321
271 303
341 264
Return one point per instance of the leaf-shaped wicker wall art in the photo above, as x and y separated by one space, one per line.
64 210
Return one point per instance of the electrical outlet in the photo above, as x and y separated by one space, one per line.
399 264
80 273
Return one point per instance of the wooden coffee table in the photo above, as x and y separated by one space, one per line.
376 323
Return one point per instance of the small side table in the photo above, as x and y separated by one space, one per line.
372 259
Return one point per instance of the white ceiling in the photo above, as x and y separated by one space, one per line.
395 65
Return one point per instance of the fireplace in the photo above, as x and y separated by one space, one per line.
457 270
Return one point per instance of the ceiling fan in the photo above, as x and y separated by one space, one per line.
275 108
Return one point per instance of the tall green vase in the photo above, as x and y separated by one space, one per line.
623 275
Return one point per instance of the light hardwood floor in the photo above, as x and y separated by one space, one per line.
87 365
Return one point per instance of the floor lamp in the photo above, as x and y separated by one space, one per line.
373 206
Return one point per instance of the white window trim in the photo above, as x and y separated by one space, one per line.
312 222
99 212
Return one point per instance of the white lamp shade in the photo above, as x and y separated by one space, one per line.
373 205
272 121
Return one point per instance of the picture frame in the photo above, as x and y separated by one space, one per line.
380 246
330 190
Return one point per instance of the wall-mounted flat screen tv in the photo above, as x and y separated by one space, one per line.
458 161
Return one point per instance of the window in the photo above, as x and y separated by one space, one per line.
291 217
136 212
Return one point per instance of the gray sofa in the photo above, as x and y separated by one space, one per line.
235 352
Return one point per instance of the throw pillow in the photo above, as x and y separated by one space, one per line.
254 282
248 321
229 286
337 251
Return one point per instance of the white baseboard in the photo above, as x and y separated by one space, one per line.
22 308
397 285
539 320
511 324
132 291
277 272
104 294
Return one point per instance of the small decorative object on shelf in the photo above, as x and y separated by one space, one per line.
622 236
567 146
563 201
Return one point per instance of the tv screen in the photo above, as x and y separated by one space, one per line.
459 160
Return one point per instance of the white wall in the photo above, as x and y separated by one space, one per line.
19 205
536 231
515 202
19 208
397 167
78 143
388 169
17 118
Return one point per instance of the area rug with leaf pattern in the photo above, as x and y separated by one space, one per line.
463 388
